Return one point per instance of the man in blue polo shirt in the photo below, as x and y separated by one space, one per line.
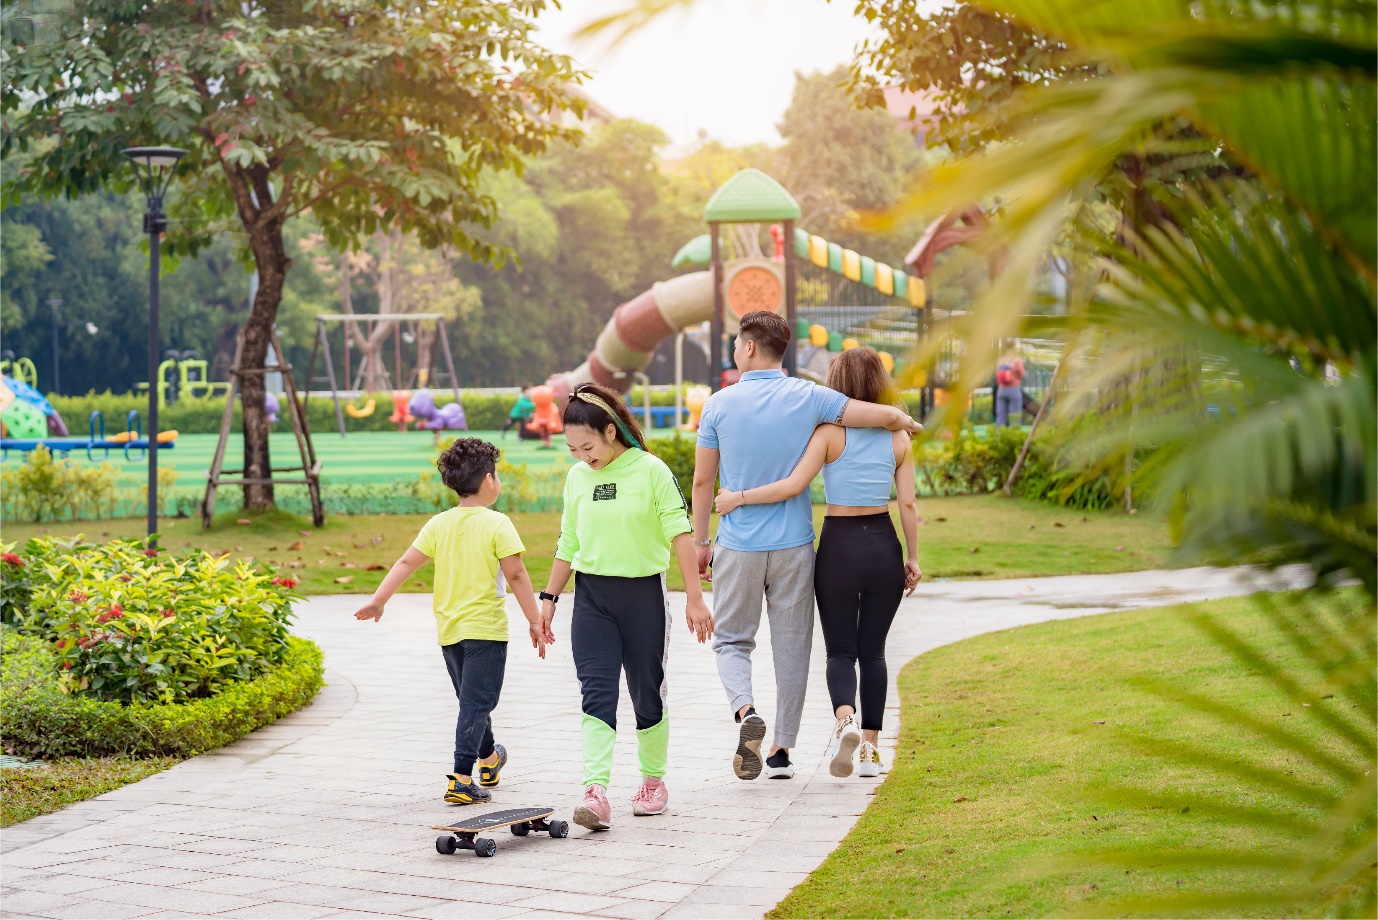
754 433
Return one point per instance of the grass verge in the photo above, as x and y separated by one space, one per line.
1007 743
979 536
32 791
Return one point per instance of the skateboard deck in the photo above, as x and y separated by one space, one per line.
463 835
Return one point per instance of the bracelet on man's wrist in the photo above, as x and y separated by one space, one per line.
547 596
708 542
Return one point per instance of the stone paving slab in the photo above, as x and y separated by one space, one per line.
327 812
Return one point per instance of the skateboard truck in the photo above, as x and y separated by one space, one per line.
521 822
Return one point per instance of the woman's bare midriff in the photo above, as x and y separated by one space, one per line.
855 510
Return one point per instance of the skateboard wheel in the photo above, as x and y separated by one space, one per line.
485 846
559 828
521 829
445 844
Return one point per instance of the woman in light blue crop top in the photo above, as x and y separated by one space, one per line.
861 573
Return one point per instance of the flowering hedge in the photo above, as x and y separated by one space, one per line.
127 623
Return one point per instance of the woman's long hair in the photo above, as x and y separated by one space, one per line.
858 373
591 414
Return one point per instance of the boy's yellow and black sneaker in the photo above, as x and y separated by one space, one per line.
488 776
458 793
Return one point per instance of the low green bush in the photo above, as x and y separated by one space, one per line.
46 488
37 719
678 453
132 624
976 463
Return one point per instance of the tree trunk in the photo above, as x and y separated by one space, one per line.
270 255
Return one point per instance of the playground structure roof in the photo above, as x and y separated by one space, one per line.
698 251
751 197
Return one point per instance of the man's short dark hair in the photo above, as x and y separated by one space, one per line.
464 463
769 332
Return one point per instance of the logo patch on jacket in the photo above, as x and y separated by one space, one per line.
606 492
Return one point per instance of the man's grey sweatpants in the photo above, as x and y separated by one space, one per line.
785 577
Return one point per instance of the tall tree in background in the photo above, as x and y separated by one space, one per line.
371 116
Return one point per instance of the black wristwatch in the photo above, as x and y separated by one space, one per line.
547 596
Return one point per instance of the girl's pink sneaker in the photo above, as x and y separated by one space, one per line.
594 812
652 798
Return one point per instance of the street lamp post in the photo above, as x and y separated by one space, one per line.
154 167
54 303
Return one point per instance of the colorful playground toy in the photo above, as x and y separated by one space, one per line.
694 398
26 413
545 420
432 418
354 411
270 406
401 416
129 440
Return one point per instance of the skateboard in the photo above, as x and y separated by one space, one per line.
462 835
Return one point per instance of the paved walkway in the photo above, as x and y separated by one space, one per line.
326 813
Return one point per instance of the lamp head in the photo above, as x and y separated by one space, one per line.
154 167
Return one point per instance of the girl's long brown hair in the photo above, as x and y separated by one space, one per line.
858 373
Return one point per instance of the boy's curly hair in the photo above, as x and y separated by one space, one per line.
464 463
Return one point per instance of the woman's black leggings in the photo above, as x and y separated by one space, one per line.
858 581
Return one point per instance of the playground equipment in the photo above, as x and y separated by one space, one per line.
545 420
630 338
401 414
272 407
421 370
432 418
310 467
183 374
26 413
354 411
21 369
131 440
694 400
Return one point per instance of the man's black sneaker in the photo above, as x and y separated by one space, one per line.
488 776
746 763
778 765
458 793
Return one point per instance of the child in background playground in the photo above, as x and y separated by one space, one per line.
623 516
1009 390
521 411
475 550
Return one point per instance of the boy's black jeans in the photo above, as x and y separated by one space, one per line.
476 669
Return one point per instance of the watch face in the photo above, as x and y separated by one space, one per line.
754 288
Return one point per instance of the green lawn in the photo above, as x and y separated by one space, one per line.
966 537
1004 740
32 791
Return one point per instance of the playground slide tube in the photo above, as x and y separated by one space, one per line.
637 328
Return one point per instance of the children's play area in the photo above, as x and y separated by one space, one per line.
380 391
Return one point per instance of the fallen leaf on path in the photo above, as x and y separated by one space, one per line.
294 565
1119 549
322 562
349 565
1058 524
961 798
239 549
941 520
1099 721
344 579
342 554
297 545
358 546
975 549
419 584
271 548
376 567
1091 887
243 521
304 533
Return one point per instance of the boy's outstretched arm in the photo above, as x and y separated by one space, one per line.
519 580
401 570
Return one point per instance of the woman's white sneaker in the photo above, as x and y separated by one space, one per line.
846 737
870 760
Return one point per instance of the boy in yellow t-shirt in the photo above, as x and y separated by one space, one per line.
477 556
